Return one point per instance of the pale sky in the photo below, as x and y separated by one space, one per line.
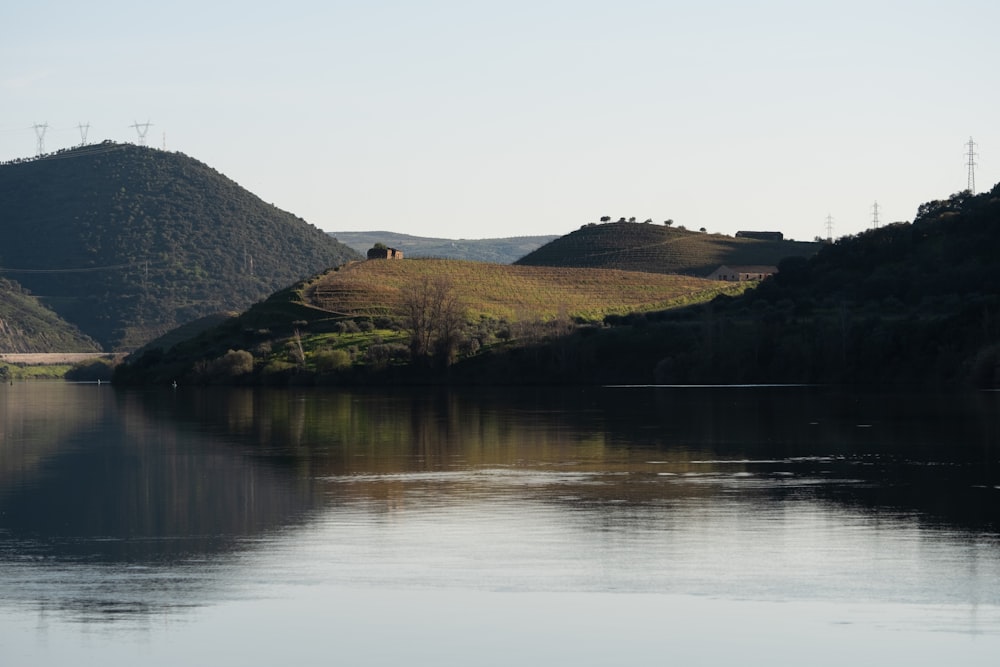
485 119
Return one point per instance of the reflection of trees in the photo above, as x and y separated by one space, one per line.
636 445
151 490
35 418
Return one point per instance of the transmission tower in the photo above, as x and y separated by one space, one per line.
40 133
875 215
141 129
84 128
971 155
829 228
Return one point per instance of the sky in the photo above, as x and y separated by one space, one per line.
466 119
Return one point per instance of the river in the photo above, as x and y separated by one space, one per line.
541 526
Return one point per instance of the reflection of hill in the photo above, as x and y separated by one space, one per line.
35 418
146 491
150 491
634 445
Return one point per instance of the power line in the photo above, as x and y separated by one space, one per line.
86 269
829 227
875 215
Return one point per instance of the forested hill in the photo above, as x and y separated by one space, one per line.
127 242
660 249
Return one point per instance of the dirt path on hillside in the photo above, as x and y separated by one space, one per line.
53 358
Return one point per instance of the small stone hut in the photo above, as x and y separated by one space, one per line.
385 253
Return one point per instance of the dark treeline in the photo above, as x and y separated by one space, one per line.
910 303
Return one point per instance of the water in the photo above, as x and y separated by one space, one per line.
775 525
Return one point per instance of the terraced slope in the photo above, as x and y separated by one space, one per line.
509 292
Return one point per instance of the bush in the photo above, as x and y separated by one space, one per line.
327 361
232 364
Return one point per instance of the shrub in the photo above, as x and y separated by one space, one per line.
327 361
233 363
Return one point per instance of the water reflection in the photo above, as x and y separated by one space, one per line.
134 503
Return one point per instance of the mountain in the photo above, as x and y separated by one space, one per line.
660 249
496 251
127 242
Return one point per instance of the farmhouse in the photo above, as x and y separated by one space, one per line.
382 252
761 236
739 273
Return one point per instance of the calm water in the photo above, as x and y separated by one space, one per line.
537 527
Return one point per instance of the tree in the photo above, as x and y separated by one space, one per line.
668 222
434 315
605 218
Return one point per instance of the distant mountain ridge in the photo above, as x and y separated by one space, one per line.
654 248
497 251
127 242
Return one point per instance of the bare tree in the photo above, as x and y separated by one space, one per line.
434 315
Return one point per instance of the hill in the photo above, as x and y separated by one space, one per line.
365 319
910 303
496 251
127 242
660 249
913 303
28 326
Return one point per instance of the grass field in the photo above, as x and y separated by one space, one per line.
509 292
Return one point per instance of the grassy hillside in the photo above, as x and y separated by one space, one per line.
127 242
351 324
506 292
660 249
496 251
28 326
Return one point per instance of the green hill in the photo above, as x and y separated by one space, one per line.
127 242
360 322
660 249
496 251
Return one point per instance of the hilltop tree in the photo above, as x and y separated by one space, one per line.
605 218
